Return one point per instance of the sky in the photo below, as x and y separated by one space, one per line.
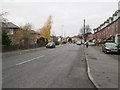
67 15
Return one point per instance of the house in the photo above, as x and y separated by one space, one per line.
90 36
54 38
9 27
76 38
13 31
33 37
109 29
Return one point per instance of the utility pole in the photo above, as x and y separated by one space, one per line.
84 31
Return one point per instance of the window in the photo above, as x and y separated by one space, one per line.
10 31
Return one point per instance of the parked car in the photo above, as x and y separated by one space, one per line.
110 47
91 43
74 42
78 42
50 45
64 42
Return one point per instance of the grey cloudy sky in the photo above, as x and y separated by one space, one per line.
69 14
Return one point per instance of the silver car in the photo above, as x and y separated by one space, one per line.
110 47
91 43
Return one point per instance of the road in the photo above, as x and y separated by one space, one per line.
62 67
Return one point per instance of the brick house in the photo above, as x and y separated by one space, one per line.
76 38
109 28
13 31
17 36
33 37
9 27
90 36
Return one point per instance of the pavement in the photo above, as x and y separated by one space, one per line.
102 69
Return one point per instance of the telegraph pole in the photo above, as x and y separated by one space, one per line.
84 31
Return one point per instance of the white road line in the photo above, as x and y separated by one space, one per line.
29 60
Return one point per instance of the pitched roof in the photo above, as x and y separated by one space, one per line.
9 25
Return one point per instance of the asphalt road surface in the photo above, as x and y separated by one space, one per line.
62 67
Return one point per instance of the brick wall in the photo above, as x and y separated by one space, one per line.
108 31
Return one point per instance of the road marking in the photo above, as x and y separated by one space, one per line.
29 60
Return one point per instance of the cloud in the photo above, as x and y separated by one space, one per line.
69 14
60 0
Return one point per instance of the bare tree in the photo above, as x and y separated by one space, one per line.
27 26
26 33
87 29
85 32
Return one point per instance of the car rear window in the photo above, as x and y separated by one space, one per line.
111 44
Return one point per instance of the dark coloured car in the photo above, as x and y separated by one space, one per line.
50 45
110 47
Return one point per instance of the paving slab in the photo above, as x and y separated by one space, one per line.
103 69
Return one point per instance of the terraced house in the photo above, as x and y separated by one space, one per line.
109 30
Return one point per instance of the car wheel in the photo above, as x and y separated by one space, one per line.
105 51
